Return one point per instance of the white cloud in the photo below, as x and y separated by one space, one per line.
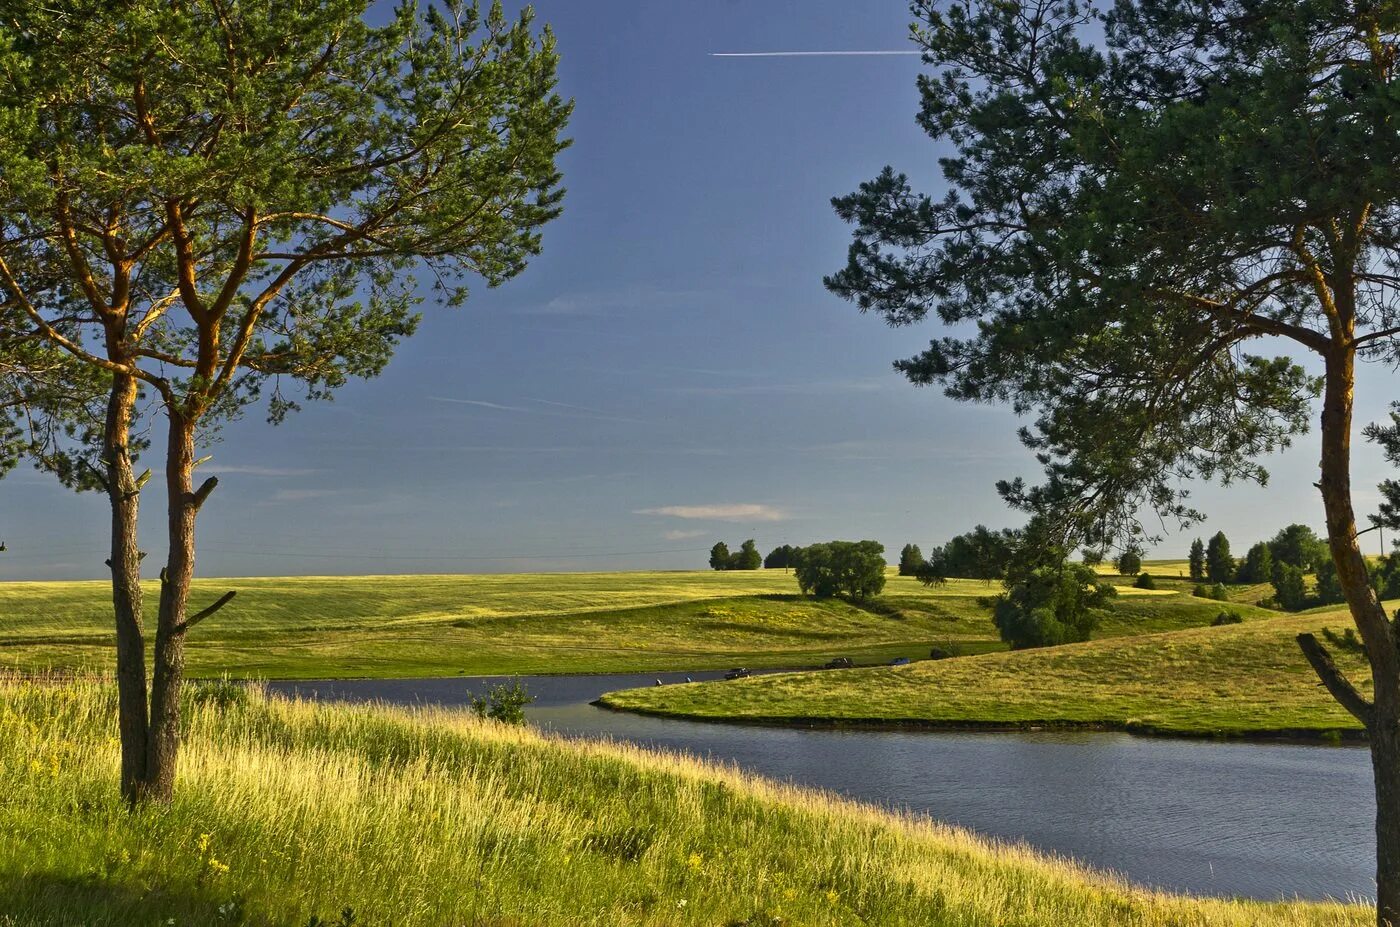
740 511
683 535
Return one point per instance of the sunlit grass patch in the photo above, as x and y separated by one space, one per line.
286 811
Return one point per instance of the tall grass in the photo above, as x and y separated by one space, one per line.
287 811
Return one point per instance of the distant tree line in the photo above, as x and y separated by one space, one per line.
1285 562
747 557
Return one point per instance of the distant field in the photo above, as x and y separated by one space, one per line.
310 627
1237 680
290 812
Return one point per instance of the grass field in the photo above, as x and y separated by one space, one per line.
317 627
286 812
1238 680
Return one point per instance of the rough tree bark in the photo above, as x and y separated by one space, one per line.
173 622
125 562
1381 714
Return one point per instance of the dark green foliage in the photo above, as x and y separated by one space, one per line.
1257 565
1129 562
502 702
1145 581
910 560
255 230
855 569
1220 566
781 558
1227 617
1091 556
1329 587
1299 546
748 557
1197 560
1050 605
1290 588
1385 576
980 554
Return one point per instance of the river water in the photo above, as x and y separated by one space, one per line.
1259 820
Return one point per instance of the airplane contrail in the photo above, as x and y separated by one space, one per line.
806 54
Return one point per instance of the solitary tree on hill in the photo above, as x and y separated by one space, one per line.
1220 566
204 204
1129 562
1140 203
1197 560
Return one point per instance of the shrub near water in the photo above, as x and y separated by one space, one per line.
287 812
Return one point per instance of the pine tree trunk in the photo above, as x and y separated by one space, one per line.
125 563
1383 718
169 669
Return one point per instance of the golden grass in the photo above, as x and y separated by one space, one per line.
288 810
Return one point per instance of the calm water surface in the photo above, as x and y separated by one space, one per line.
1262 820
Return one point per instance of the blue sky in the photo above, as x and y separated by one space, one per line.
670 372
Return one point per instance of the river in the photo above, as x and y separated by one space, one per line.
1262 820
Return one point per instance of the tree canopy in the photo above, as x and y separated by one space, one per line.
1151 211
1051 604
855 569
208 205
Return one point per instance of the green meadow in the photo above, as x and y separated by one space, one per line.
1246 679
365 626
293 814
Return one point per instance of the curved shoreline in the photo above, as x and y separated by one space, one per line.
1300 736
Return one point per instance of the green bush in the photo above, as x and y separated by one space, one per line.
1227 617
504 703
1051 604
1145 581
855 569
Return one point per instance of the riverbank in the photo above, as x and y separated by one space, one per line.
1244 681
287 811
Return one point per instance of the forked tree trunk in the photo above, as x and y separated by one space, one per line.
169 668
125 562
1382 714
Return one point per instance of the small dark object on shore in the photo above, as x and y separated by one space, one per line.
900 661
938 653
739 673
838 663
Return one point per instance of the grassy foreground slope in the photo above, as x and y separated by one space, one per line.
1239 680
311 627
287 811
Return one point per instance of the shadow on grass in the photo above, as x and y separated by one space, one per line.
93 901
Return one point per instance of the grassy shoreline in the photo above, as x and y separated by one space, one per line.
1238 681
425 817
